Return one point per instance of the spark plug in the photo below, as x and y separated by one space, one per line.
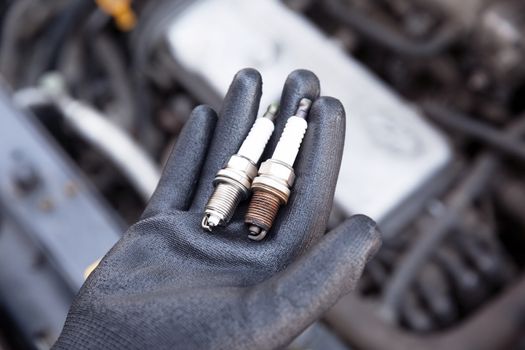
233 182
271 188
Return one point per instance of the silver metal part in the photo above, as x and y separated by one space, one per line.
390 151
271 111
256 233
304 108
138 167
232 185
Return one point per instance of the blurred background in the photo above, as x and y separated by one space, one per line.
95 92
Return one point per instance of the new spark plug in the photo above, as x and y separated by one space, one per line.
271 188
233 182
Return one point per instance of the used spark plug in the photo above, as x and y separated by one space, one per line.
233 182
271 188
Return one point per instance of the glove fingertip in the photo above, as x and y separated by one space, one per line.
304 82
246 79
328 109
184 163
203 113
200 125
362 234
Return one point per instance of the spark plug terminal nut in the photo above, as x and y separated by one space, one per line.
271 188
233 182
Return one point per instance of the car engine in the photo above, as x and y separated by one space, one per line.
93 99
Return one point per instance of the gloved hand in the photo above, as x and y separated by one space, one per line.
168 284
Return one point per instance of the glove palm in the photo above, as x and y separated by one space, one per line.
167 283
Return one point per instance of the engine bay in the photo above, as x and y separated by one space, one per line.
434 90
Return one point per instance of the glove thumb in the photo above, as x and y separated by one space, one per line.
299 295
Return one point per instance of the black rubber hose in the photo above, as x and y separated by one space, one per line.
498 140
496 326
50 48
113 64
383 36
410 265
10 27
469 189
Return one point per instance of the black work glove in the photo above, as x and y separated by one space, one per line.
168 284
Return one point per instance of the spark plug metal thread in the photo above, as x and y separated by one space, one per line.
271 188
233 182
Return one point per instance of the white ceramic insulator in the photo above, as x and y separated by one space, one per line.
290 141
254 144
